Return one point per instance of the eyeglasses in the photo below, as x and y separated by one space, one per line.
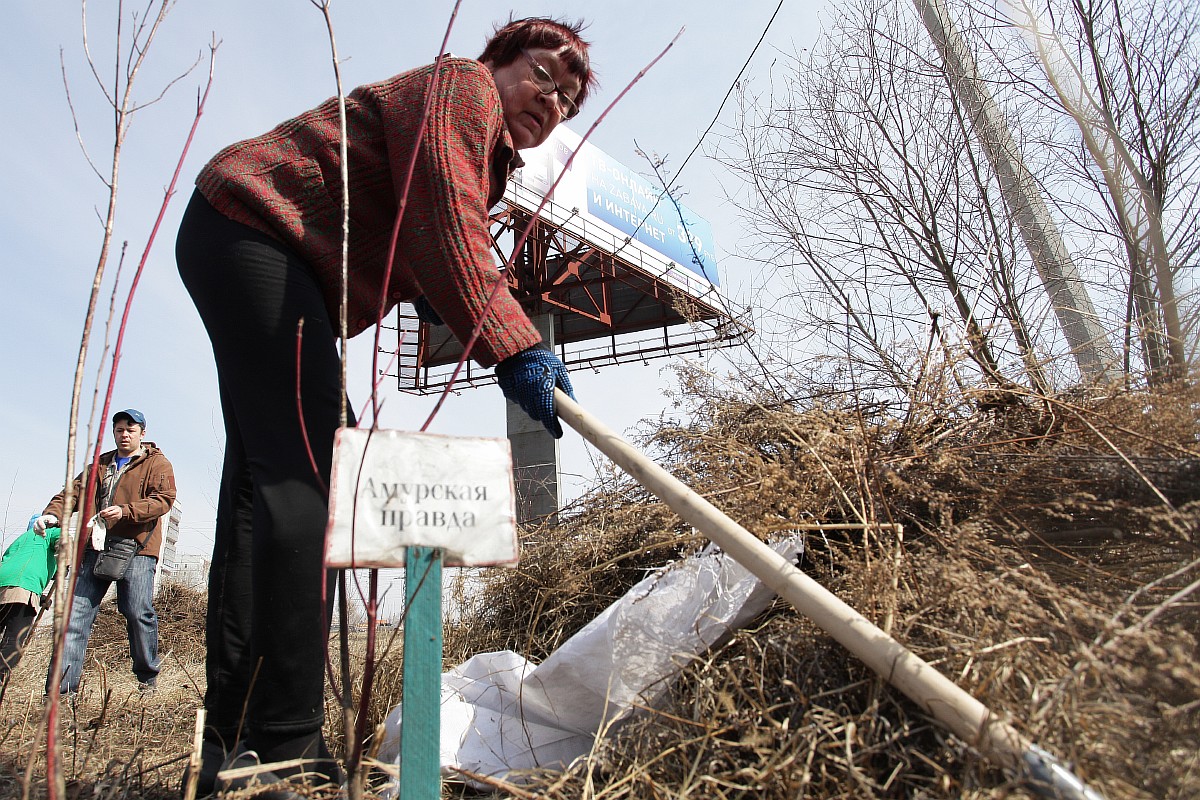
546 85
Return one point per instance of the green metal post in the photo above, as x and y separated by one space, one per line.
420 733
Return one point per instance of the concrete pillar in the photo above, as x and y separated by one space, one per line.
1069 296
535 455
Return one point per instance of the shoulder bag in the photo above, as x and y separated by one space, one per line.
114 559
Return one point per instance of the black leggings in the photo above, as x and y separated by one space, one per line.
266 635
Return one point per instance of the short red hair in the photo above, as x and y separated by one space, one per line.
560 36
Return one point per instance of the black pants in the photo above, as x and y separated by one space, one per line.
16 623
265 632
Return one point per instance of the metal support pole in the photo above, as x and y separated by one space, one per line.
535 455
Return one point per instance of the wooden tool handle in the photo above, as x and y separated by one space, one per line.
942 699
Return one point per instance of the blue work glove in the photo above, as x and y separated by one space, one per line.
528 379
425 311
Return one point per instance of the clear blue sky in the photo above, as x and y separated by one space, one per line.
274 62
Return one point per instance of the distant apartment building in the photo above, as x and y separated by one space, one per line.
191 571
169 524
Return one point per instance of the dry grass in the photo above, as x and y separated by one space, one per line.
1048 553
1028 534
116 742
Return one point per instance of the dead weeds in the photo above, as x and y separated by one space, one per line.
1040 553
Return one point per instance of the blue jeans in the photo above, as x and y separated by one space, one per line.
135 601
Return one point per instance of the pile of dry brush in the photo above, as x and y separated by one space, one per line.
1046 549
1040 552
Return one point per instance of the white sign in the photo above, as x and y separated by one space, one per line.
394 489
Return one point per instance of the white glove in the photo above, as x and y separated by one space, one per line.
99 529
44 521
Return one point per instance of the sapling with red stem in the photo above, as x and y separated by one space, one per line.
124 106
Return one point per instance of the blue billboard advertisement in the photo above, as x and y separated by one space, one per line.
606 190
623 199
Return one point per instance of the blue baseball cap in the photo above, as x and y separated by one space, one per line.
132 414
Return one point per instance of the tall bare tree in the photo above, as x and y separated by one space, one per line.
1022 196
878 206
132 45
867 183
1128 75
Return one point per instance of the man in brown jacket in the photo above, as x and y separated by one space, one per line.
135 486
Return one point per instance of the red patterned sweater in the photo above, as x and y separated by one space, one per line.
287 183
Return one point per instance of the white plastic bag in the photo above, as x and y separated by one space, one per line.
501 714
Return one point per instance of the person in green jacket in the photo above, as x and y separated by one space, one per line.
26 570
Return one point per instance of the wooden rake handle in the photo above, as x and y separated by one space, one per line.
937 695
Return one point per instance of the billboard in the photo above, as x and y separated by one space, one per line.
606 192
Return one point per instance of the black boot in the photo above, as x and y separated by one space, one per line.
273 786
215 755
320 769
